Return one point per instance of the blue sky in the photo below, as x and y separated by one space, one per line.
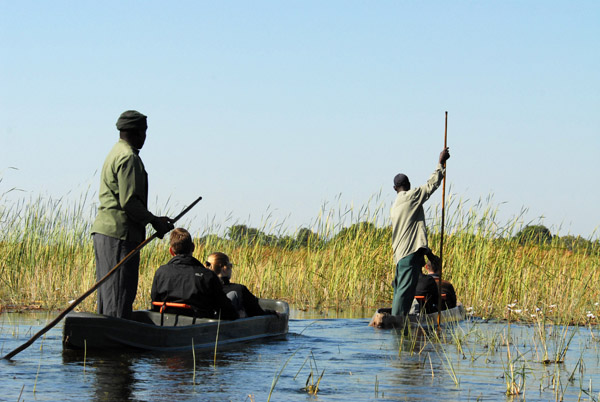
278 108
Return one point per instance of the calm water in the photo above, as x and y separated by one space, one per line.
357 363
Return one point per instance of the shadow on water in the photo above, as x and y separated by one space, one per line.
342 355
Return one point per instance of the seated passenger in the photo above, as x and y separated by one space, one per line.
447 288
185 280
427 286
243 300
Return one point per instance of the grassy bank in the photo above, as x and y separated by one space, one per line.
47 259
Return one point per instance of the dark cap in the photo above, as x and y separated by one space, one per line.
131 119
400 179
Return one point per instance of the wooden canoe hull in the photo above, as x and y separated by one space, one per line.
145 332
383 318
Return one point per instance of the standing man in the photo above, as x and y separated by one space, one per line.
120 225
409 234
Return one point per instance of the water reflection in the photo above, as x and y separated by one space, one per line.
165 375
113 377
298 312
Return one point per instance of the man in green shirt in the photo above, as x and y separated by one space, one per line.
409 234
120 225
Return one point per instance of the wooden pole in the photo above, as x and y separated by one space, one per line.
442 230
93 288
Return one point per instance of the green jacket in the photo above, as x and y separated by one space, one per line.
123 211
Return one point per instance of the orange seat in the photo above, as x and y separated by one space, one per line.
163 305
421 299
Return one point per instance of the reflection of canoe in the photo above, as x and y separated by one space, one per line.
177 332
383 318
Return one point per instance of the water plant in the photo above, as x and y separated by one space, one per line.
39 366
21 393
47 259
312 387
194 361
554 339
438 339
278 374
514 377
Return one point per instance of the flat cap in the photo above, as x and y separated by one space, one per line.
400 179
131 119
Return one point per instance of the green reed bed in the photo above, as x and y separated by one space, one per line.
47 259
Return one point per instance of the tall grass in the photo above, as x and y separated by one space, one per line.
47 259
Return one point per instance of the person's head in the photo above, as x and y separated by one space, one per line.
181 242
132 126
401 182
431 269
220 263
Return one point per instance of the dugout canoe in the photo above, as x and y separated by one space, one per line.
145 332
384 319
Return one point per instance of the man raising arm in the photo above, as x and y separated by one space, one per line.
409 234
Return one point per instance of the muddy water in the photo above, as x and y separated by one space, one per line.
354 363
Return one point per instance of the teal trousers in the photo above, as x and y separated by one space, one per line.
405 282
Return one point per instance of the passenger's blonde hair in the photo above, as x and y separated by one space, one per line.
219 260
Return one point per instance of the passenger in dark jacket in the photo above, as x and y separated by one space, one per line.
185 280
427 286
447 288
243 300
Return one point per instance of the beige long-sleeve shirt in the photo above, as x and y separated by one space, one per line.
409 232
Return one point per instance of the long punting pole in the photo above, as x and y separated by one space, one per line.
93 288
442 230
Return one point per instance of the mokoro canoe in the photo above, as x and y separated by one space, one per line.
383 318
177 332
